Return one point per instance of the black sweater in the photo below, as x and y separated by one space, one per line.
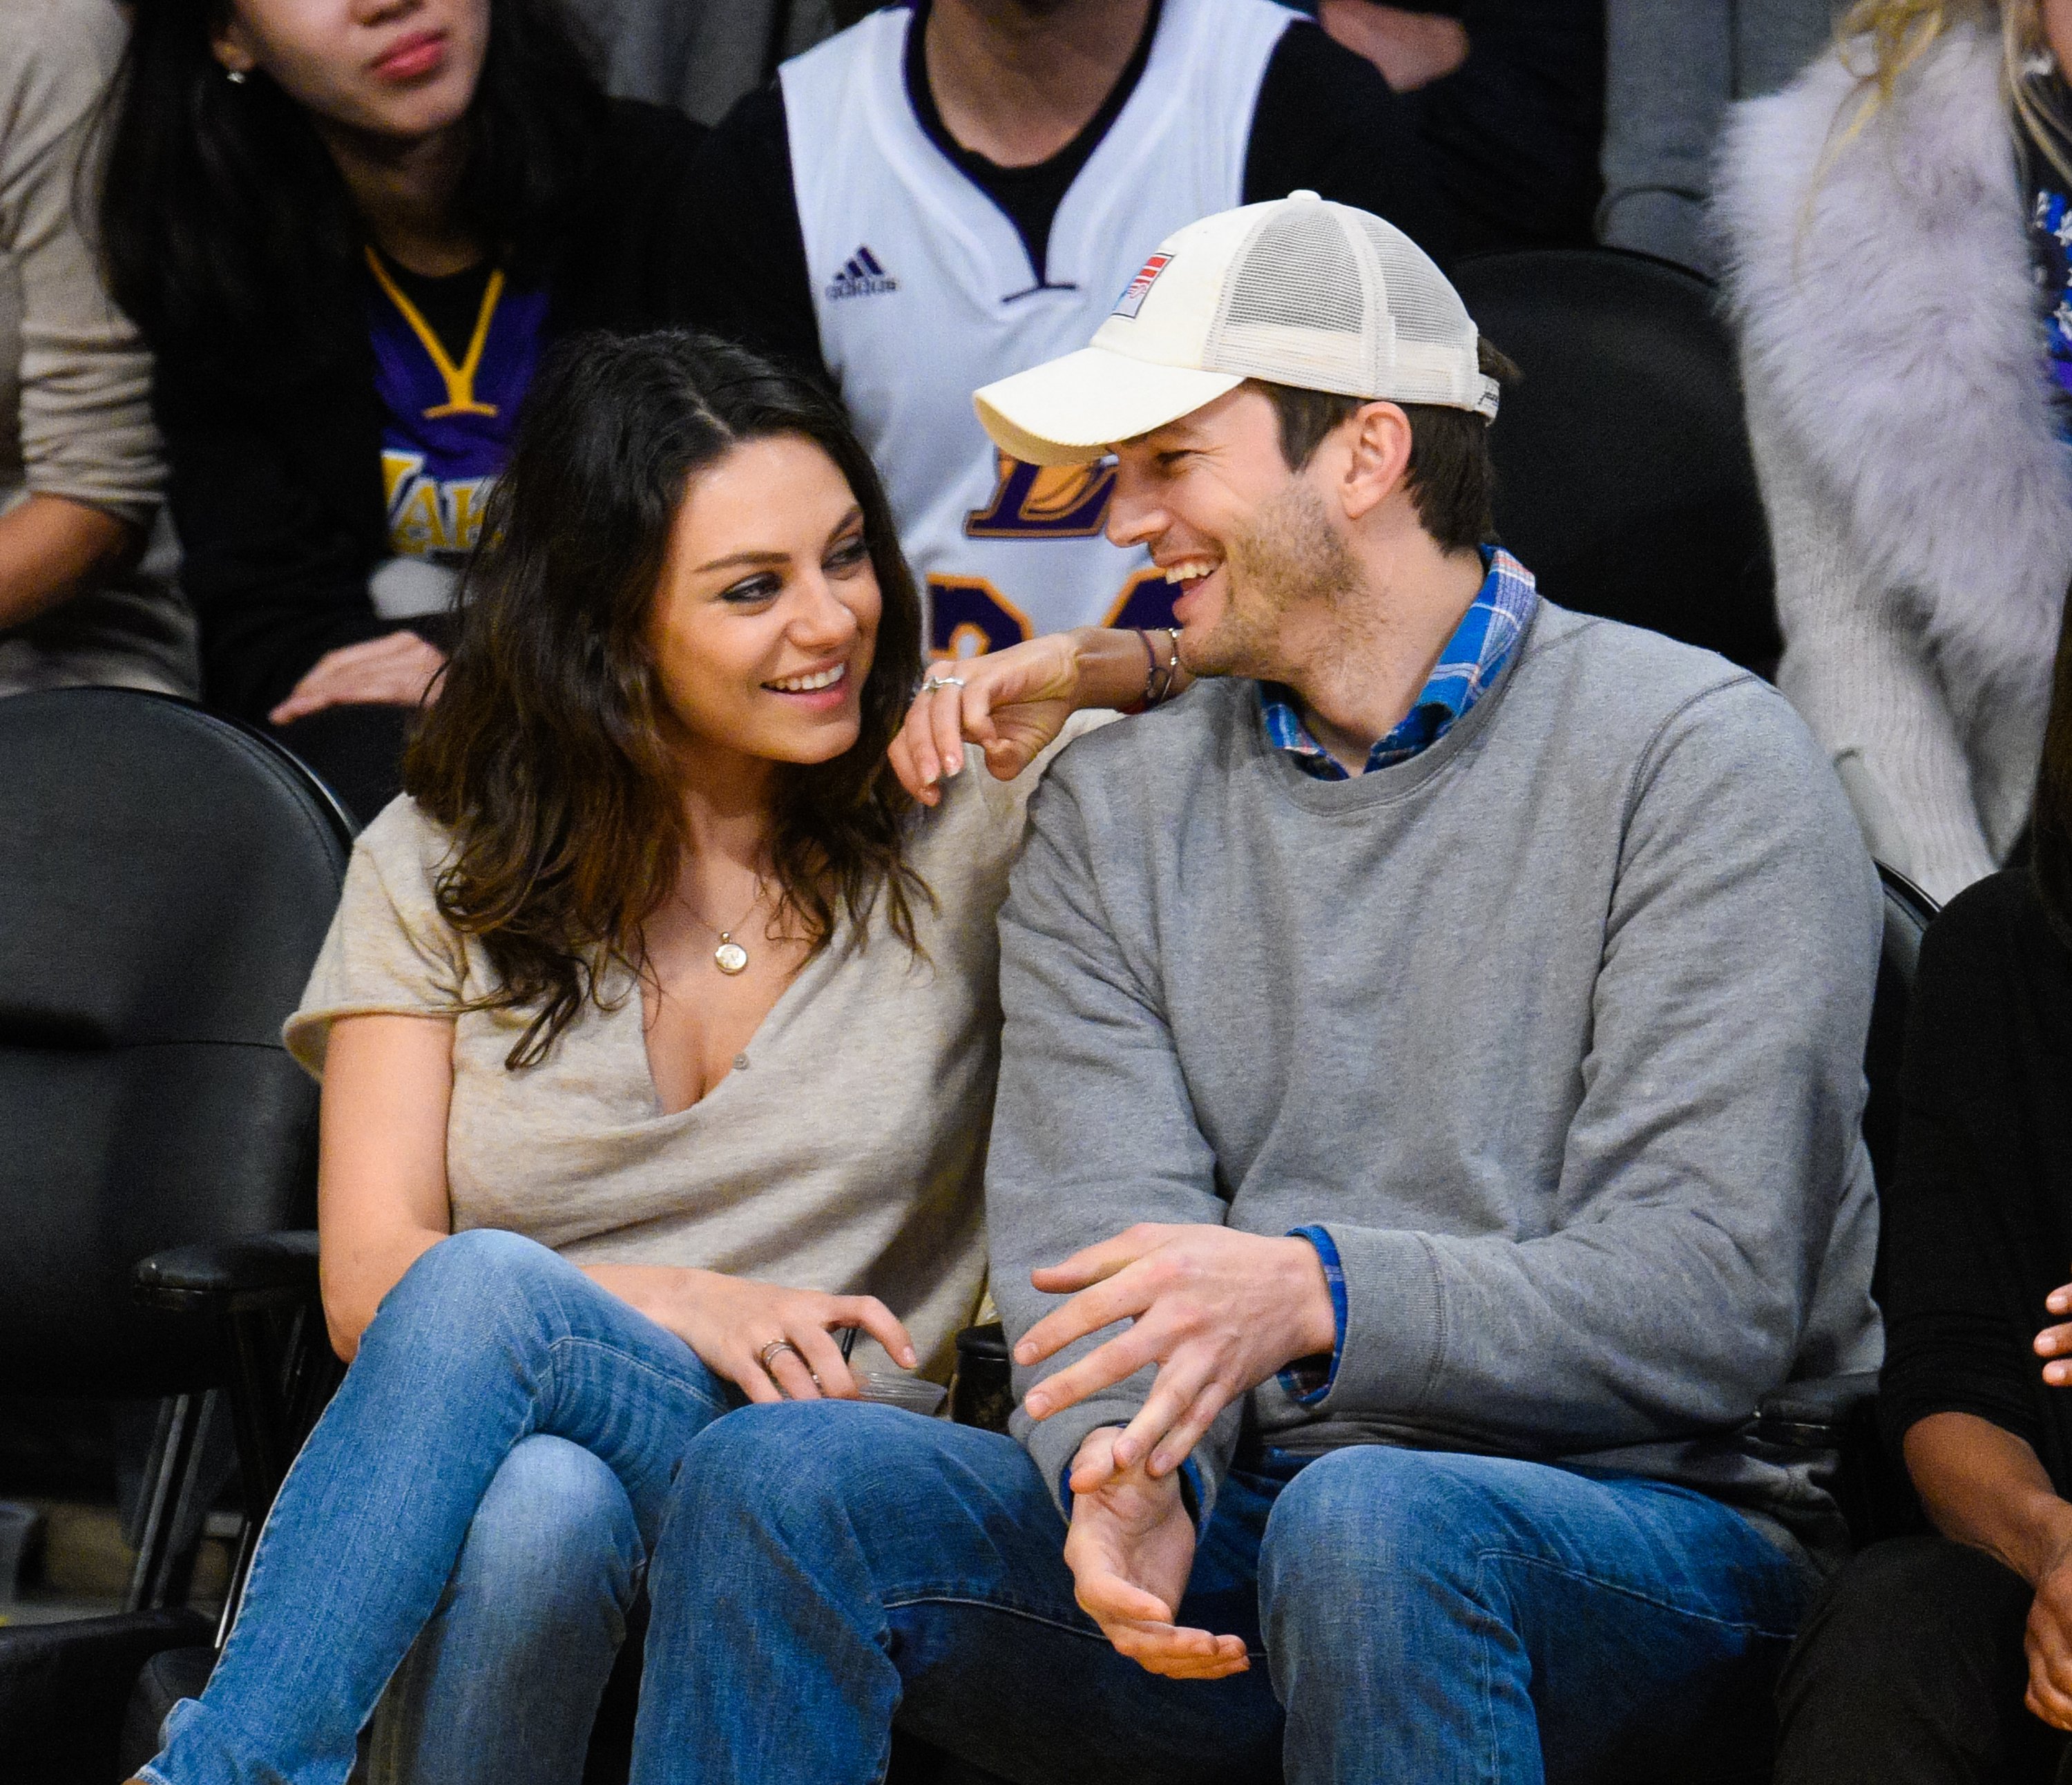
1978 1224
276 483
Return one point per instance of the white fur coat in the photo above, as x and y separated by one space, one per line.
1921 498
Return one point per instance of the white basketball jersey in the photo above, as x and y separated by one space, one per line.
923 291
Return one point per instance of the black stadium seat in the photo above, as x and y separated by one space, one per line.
1623 475
166 878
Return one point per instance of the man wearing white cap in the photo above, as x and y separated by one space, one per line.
1429 1121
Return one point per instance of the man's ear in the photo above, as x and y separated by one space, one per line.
1377 457
231 46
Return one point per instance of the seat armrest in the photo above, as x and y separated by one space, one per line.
1818 1413
231 1276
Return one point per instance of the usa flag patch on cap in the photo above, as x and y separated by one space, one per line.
1132 298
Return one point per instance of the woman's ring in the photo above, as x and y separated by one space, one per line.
934 683
770 1351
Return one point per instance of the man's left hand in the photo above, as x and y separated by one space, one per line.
1218 1310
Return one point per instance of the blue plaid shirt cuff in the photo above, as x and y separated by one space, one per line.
1307 1379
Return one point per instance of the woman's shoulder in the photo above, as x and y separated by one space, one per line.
1992 968
407 848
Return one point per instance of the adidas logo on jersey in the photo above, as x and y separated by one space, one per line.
862 278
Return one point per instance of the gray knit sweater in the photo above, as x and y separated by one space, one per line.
1557 1028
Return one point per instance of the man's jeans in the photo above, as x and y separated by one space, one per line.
1424 1618
488 1341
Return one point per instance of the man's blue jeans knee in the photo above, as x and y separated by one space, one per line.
829 1567
503 1684
1452 1618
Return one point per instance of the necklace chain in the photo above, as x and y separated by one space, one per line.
730 956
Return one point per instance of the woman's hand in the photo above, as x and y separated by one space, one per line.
734 1323
1011 703
2056 1342
399 669
2048 1642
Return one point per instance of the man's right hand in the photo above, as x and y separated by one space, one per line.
1131 1549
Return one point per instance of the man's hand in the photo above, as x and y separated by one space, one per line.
1012 704
1219 1310
399 669
1131 1547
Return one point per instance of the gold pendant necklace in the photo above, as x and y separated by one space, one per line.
730 956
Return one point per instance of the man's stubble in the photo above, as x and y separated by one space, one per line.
1290 559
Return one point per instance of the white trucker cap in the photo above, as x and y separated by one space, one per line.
1298 291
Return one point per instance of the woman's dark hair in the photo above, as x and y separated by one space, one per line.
2050 818
226 230
544 755
1453 478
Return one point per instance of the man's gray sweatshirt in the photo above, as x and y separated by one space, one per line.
1557 1028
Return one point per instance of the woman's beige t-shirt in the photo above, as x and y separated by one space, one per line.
844 1152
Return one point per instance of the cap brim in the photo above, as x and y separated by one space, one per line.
1070 410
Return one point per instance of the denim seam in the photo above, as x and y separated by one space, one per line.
1031 1613
1483 1557
568 1341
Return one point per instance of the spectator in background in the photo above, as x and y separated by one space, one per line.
348 231
1897 232
1946 1659
943 194
1509 100
1670 72
701 56
80 466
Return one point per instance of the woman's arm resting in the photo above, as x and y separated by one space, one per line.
381 1178
733 1322
1985 1486
52 549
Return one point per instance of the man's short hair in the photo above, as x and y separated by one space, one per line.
1452 478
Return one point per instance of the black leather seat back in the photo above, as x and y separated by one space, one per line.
166 880
1908 912
1624 481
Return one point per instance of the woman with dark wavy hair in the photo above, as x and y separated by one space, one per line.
657 1028
348 229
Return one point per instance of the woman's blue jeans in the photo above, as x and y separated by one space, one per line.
490 1348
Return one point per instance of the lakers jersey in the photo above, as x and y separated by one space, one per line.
923 291
446 426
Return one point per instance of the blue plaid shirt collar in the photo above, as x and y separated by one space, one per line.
1474 657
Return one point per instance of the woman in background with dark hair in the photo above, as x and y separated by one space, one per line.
347 228
660 971
1948 1658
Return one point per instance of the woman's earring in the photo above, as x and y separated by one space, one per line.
2039 65
236 76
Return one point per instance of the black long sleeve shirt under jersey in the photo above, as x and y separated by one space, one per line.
1325 120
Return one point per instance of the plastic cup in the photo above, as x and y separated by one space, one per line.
915 1393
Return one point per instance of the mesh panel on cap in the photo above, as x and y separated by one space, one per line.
1326 297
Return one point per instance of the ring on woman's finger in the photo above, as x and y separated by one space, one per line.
935 685
769 1354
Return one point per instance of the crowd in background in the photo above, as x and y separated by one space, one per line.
266 341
